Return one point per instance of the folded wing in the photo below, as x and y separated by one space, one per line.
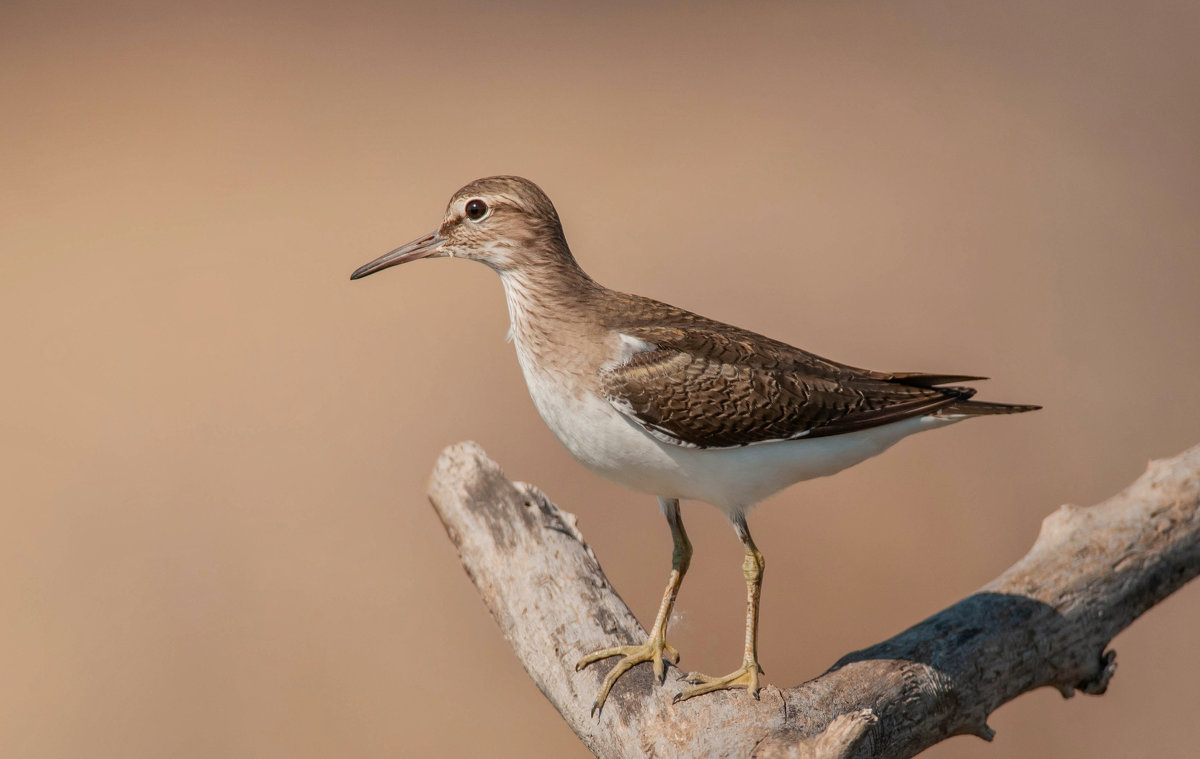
702 384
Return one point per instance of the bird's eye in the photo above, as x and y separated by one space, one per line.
476 209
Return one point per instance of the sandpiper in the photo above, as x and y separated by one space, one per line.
672 404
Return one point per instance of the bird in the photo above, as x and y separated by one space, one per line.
672 404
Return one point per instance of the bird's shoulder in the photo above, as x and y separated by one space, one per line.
674 329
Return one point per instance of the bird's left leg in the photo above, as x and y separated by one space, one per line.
745 676
656 648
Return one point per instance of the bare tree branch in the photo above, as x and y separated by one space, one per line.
1045 621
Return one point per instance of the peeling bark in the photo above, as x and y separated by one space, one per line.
1045 622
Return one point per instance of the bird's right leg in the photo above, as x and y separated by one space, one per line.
656 648
745 676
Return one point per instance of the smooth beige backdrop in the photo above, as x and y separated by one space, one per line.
214 539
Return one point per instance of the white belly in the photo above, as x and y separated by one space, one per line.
732 479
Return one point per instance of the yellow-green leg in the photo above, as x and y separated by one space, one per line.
745 676
656 648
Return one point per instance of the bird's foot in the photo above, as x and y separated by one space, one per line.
745 677
654 650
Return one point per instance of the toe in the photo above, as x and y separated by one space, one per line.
670 653
603 653
745 677
614 674
699 690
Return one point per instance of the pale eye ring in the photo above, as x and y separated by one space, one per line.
476 209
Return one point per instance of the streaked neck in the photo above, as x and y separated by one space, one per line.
548 310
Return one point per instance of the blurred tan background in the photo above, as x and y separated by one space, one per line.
214 538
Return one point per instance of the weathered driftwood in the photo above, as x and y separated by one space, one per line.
1045 621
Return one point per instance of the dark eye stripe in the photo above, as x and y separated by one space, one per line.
476 209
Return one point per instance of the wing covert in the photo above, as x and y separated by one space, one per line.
703 388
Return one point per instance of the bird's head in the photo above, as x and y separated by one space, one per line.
506 222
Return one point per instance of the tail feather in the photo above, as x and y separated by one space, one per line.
919 379
962 406
983 408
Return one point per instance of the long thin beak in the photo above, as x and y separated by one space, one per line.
422 248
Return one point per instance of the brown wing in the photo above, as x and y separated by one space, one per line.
708 385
